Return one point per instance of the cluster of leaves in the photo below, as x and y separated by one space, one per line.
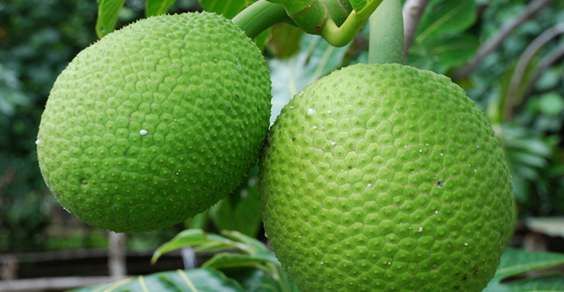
238 263
241 263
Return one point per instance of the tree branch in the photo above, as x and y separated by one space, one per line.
412 12
494 42
513 96
117 264
544 65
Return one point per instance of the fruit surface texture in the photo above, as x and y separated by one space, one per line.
155 122
386 178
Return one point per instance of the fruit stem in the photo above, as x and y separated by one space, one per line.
259 16
341 35
386 33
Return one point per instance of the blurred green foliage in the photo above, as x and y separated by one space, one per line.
529 123
37 39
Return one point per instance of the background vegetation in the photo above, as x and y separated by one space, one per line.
520 85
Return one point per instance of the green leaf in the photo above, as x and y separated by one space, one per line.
108 12
528 159
204 242
446 18
545 284
201 280
194 238
535 146
252 246
285 40
240 211
197 222
551 104
157 7
441 55
514 262
227 8
254 280
495 286
357 4
233 260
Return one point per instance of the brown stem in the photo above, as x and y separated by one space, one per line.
412 12
494 42
545 63
513 96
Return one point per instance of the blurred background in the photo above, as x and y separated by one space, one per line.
507 54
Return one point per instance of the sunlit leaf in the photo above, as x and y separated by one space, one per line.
108 12
233 260
157 7
194 238
514 262
227 8
202 280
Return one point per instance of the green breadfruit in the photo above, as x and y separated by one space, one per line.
386 178
155 122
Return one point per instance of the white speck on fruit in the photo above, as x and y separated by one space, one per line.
143 132
389 263
466 244
37 142
441 154
310 111
333 143
420 229
369 186
314 127
436 212
420 150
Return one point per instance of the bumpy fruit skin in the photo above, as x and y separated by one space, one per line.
155 122
386 178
